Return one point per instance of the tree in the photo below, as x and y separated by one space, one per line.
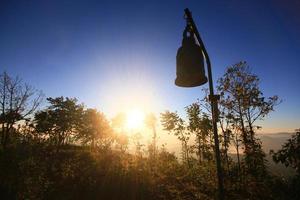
150 122
28 134
95 129
60 120
236 141
118 123
18 101
136 139
200 125
245 104
289 154
174 124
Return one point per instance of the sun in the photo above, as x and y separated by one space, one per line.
135 119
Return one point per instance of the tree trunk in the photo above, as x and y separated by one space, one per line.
244 133
238 157
3 111
199 150
226 148
251 132
154 141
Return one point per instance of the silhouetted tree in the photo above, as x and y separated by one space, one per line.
200 125
17 102
60 120
119 121
289 154
237 143
245 103
227 127
151 122
27 133
174 124
118 124
136 139
32 169
95 129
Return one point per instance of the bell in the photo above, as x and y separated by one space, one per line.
190 63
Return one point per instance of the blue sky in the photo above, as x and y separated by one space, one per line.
113 55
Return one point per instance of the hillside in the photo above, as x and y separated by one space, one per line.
274 141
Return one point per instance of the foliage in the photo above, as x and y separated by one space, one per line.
242 104
151 122
17 102
201 126
95 129
61 119
174 124
289 154
67 151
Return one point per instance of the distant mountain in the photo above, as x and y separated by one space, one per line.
273 140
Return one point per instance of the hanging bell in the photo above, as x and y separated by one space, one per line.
189 62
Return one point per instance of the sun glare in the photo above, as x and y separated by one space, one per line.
135 118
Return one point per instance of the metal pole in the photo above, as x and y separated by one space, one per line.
214 103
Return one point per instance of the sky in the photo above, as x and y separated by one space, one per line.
114 55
